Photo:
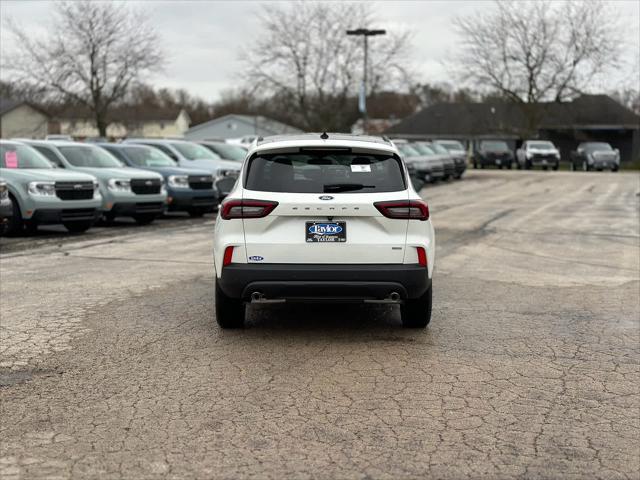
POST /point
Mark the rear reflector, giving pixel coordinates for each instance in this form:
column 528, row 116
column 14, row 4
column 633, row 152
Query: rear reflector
column 228, row 255
column 422, row 256
column 404, row 209
column 246, row 208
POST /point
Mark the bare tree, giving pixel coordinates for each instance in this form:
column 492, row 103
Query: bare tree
column 305, row 58
column 530, row 52
column 92, row 55
column 539, row 50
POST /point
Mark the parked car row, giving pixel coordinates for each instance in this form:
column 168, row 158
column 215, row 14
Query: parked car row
column 75, row 184
column 433, row 161
column 542, row 153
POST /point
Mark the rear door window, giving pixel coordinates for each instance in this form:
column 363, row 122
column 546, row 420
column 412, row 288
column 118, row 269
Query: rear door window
column 325, row 172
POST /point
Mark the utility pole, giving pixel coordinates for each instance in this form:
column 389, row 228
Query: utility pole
column 366, row 33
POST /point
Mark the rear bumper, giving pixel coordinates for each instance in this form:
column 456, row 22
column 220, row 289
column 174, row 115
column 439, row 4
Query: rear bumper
column 51, row 215
column 349, row 283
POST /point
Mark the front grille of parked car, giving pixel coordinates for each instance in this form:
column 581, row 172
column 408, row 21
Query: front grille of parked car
column 77, row 213
column 148, row 207
column 203, row 201
column 147, row 186
column 204, row 182
column 604, row 156
column 74, row 190
column 225, row 184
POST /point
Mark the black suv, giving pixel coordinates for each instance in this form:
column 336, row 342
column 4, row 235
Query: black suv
column 493, row 152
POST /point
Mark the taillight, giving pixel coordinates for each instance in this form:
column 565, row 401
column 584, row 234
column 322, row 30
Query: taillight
column 422, row 256
column 404, row 209
column 228, row 255
column 246, row 208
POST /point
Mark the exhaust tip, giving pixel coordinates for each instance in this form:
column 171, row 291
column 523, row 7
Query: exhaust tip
column 395, row 296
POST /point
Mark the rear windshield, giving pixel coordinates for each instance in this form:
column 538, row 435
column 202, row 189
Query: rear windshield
column 494, row 145
column 597, row 146
column 325, row 172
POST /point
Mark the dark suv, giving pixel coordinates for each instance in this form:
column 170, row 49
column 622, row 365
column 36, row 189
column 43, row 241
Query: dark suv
column 493, row 152
column 595, row 156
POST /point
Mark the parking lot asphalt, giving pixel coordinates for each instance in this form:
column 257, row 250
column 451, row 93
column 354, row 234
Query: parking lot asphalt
column 112, row 366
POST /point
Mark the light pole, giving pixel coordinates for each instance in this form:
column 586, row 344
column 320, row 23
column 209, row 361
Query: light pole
column 366, row 33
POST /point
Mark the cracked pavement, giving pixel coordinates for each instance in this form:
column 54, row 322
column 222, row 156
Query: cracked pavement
column 112, row 366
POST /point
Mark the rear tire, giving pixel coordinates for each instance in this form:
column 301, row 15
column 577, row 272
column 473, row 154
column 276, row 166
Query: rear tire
column 196, row 212
column 230, row 312
column 144, row 218
column 416, row 312
column 556, row 167
column 614, row 169
column 78, row 226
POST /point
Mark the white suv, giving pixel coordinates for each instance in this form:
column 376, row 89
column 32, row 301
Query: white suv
column 323, row 218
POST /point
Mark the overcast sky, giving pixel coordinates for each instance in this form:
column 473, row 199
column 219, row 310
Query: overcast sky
column 202, row 39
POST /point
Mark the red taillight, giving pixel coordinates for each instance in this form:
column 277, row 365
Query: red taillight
column 422, row 256
column 404, row 209
column 228, row 255
column 246, row 208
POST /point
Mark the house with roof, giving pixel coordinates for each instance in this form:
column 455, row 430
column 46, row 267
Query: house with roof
column 124, row 121
column 237, row 126
column 20, row 119
column 587, row 118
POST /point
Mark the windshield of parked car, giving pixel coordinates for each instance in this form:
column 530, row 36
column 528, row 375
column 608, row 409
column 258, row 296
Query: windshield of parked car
column 325, row 172
column 597, row 146
column 541, row 145
column 407, row 150
column 21, row 156
column 86, row 156
column 494, row 146
column 423, row 149
column 193, row 151
column 451, row 145
column 439, row 148
column 148, row 157
column 228, row 152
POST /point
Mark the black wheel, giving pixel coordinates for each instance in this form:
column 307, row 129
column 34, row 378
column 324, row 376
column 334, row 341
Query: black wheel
column 475, row 164
column 556, row 167
column 196, row 212
column 144, row 218
column 500, row 166
column 481, row 165
column 229, row 311
column 614, row 169
column 109, row 217
column 545, row 168
column 527, row 165
column 79, row 226
column 509, row 166
column 416, row 313
column 15, row 225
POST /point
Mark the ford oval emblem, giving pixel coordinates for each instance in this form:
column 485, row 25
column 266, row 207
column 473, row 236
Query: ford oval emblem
column 326, row 197
column 256, row 258
column 325, row 229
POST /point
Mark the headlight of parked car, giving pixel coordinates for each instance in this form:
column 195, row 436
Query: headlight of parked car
column 4, row 190
column 178, row 181
column 118, row 185
column 46, row 189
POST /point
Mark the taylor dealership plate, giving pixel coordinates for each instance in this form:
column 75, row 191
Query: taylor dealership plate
column 335, row 232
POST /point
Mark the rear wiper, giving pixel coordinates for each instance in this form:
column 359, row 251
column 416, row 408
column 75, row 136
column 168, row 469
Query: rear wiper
column 345, row 187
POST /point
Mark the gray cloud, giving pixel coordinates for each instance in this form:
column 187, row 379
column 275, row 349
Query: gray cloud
column 203, row 39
